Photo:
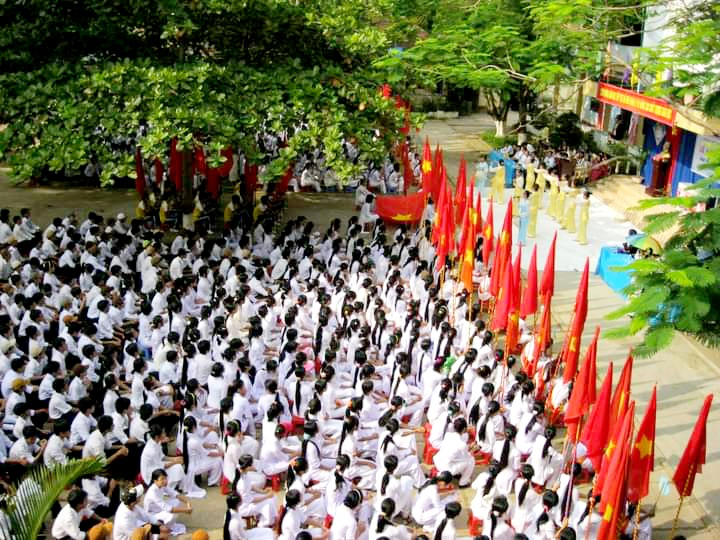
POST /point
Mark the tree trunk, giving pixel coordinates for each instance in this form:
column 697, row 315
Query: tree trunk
column 499, row 128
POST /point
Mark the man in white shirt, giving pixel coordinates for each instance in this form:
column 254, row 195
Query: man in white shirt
column 25, row 450
column 67, row 523
column 58, row 444
column 99, row 442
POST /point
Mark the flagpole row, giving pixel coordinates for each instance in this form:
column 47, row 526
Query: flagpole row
column 682, row 500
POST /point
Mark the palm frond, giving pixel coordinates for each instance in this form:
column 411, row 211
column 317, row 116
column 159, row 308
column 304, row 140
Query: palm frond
column 37, row 491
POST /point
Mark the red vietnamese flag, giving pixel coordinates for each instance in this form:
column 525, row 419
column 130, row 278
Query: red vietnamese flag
column 450, row 221
column 437, row 173
column 400, row 208
column 468, row 256
column 477, row 214
column 621, row 397
column 488, row 236
column 617, row 435
column 427, row 169
column 442, row 242
column 693, row 458
column 468, row 220
column 529, row 299
column 439, row 212
column 512, row 334
column 571, row 349
column 502, row 302
column 543, row 334
column 595, row 432
column 502, row 251
column 642, row 454
column 446, row 244
column 547, row 285
column 612, row 500
column 583, row 392
column 460, row 192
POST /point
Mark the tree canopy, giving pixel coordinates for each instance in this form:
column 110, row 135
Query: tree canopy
column 74, row 77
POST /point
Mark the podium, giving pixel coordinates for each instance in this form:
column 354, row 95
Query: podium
column 660, row 168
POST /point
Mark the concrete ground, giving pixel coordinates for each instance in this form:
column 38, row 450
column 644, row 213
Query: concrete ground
column 684, row 373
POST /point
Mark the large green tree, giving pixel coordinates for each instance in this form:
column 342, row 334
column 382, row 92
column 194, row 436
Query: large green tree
column 510, row 50
column 74, row 76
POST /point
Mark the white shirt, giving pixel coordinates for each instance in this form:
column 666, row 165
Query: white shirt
column 58, row 406
column 95, row 445
column 67, row 523
column 22, row 450
column 80, row 428
column 344, row 526
column 54, row 453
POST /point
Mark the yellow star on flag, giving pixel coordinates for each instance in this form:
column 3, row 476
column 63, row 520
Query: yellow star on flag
column 402, row 217
column 514, row 316
column 644, row 446
column 573, row 344
column 504, row 238
column 488, row 231
column 468, row 254
column 610, row 448
column 426, row 166
column 607, row 516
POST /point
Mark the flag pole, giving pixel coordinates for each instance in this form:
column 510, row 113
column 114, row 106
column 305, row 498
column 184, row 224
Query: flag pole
column 592, row 508
column 636, row 530
column 682, row 499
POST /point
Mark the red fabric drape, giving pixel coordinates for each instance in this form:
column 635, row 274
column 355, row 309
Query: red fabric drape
column 175, row 165
column 139, row 173
column 283, row 184
column 199, row 163
column 159, row 169
column 251, row 175
column 215, row 174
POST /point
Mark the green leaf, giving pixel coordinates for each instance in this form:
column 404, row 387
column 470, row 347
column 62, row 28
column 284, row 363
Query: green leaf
column 659, row 338
column 680, row 277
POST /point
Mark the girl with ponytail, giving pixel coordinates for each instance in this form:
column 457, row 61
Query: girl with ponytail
column 445, row 529
column 546, row 461
column 485, row 491
column 337, row 487
column 490, row 426
column 428, row 507
column 234, row 525
column 507, row 455
column 530, row 427
column 311, row 499
column 404, row 448
column 250, row 486
column 496, row 527
column 237, row 445
column 199, row 458
column 396, row 486
column 382, row 525
column 345, row 524
column 527, row 499
column 545, row 526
